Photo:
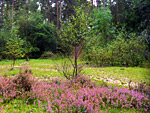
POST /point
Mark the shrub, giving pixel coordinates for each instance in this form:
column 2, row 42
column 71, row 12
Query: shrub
column 48, row 54
column 24, row 80
column 16, row 87
column 128, row 51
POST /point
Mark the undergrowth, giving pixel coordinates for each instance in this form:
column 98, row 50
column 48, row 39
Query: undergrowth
column 77, row 95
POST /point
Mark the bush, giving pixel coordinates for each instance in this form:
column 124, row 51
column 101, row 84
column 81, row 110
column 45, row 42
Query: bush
column 122, row 51
column 48, row 54
column 24, row 80
column 130, row 52
column 16, row 87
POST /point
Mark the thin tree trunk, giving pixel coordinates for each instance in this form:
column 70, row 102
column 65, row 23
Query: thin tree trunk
column 76, row 68
column 110, row 4
column 2, row 10
column 40, row 6
column 51, row 17
column 103, row 3
column 27, row 7
column 48, row 9
column 60, row 14
column 12, row 14
column 13, row 64
column 97, row 1
column 92, row 4
column 117, row 13
column 57, row 16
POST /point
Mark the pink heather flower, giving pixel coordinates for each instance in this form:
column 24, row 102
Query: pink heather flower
column 145, row 109
column 2, row 108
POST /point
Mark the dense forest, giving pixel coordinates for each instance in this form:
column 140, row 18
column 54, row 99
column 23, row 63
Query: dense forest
column 75, row 56
column 102, row 32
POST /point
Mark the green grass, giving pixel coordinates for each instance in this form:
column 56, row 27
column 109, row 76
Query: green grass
column 123, row 74
column 20, row 106
column 46, row 68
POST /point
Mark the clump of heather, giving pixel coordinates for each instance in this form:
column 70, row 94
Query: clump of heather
column 80, row 82
column 17, row 86
column 7, row 89
column 77, row 95
column 24, row 79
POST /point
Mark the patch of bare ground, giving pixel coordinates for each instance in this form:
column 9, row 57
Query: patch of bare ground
column 44, row 69
column 123, row 81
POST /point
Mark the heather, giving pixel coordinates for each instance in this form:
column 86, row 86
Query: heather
column 77, row 95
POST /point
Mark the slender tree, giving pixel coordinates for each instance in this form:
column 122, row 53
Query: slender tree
column 92, row 4
column 2, row 5
column 48, row 9
column 60, row 13
column 103, row 3
column 57, row 16
column 12, row 13
column 97, row 1
column 73, row 34
column 52, row 11
column 110, row 4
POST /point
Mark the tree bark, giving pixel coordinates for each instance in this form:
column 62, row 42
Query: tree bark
column 2, row 11
column 92, row 4
column 117, row 7
column 12, row 14
column 51, row 17
column 103, row 3
column 48, row 9
column 57, row 16
column 60, row 14
column 97, row 1
column 76, row 67
column 110, row 4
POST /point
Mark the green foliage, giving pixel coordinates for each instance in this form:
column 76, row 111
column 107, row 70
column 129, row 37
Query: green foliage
column 5, row 33
column 48, row 54
column 129, row 51
column 40, row 35
column 126, row 49
column 14, row 47
column 100, row 22
column 101, row 33
column 74, row 30
column 101, row 19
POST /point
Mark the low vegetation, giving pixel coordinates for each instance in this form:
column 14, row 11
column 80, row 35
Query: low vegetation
column 23, row 91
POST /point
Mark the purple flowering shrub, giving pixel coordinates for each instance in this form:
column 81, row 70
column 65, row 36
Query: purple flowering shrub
column 77, row 95
column 18, row 85
column 24, row 79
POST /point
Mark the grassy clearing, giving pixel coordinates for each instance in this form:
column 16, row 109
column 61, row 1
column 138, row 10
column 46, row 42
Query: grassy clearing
column 45, row 68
